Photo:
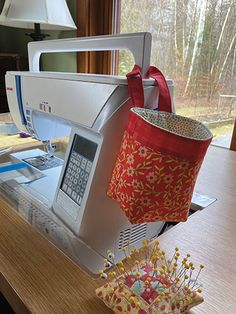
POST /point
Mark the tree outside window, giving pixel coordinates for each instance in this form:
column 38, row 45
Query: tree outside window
column 194, row 43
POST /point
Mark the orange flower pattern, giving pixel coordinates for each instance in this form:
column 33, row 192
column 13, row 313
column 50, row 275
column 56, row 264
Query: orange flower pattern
column 150, row 185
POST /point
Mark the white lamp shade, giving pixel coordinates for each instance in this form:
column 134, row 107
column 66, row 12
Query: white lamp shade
column 51, row 14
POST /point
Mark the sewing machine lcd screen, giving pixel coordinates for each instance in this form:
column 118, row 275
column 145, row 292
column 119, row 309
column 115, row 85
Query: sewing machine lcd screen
column 78, row 168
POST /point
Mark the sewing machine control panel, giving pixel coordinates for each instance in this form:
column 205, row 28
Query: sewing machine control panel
column 78, row 168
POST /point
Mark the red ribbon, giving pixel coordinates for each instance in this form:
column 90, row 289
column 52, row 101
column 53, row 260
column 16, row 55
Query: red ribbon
column 135, row 88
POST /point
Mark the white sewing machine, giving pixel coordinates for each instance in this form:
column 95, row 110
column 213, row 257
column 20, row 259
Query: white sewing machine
column 93, row 109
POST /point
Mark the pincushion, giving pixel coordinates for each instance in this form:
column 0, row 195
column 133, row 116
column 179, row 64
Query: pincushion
column 154, row 285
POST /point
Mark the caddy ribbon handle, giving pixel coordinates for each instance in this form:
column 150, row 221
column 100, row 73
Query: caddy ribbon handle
column 164, row 101
column 135, row 88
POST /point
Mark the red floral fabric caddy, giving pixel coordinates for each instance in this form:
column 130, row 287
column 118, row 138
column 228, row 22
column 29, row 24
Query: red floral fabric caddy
column 159, row 159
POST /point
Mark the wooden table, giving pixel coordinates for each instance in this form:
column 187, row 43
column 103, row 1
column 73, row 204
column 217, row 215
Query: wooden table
column 38, row 278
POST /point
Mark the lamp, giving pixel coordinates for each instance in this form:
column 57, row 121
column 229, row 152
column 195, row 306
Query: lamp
column 37, row 15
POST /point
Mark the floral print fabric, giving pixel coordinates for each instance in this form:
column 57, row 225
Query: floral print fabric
column 150, row 185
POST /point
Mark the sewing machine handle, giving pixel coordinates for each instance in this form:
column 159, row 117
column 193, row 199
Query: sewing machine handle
column 138, row 43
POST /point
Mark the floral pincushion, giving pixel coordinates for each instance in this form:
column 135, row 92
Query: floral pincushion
column 155, row 285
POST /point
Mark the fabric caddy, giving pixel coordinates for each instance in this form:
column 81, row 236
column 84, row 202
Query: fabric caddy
column 159, row 158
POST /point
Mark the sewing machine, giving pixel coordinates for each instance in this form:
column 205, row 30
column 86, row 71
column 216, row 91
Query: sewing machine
column 93, row 111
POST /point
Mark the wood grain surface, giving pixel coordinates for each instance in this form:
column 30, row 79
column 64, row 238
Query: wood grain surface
column 38, row 278
column 45, row 280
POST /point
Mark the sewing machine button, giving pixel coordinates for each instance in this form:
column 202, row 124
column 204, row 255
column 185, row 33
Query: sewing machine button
column 66, row 180
column 88, row 166
column 86, row 177
column 73, row 173
column 77, row 189
column 80, row 182
column 64, row 187
column 69, row 191
column 75, row 181
column 69, row 170
column 71, row 178
column 82, row 174
column 74, row 195
column 74, row 167
column 78, row 200
column 70, row 184
column 83, row 163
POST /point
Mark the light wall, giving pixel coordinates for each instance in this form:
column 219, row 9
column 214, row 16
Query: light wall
column 13, row 40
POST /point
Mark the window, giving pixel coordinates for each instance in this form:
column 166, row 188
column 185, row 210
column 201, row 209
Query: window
column 194, row 43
